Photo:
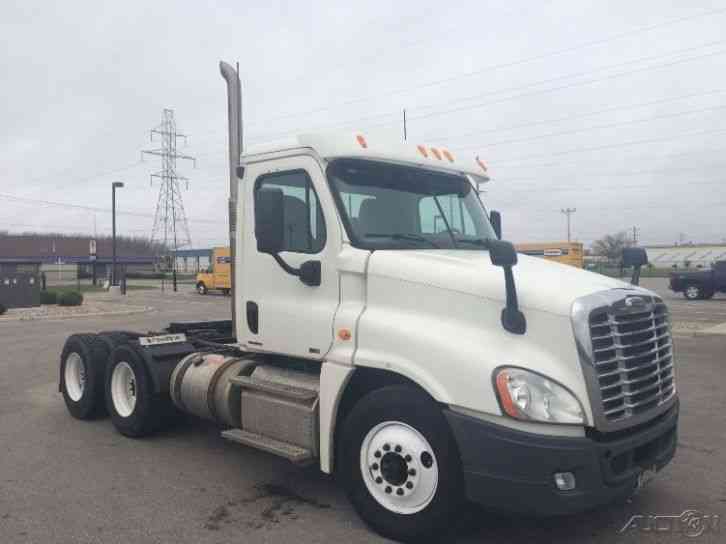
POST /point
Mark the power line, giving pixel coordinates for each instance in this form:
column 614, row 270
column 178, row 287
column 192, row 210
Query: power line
column 581, row 115
column 612, row 146
column 92, row 208
column 498, row 66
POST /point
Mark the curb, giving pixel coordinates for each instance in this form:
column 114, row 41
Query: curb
column 142, row 310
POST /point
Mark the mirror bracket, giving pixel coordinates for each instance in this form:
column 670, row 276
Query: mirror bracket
column 502, row 254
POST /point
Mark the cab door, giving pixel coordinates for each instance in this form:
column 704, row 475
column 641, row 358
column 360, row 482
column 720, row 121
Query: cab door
column 283, row 314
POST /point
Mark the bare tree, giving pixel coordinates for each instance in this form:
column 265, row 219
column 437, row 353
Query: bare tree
column 611, row 246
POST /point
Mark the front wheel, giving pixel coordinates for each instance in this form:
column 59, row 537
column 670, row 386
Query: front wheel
column 400, row 464
column 693, row 292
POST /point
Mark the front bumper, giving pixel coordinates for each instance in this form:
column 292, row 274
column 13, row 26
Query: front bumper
column 512, row 471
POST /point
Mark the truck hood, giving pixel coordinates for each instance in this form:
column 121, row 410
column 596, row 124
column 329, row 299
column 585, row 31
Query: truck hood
column 541, row 285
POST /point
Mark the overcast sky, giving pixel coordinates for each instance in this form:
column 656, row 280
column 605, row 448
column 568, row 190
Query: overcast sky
column 616, row 108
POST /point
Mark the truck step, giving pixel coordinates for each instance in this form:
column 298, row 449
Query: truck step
column 275, row 388
column 291, row 452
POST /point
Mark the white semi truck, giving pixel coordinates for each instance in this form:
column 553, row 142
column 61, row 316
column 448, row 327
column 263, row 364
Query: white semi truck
column 382, row 331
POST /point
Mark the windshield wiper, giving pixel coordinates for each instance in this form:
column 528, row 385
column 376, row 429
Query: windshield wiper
column 404, row 236
column 481, row 242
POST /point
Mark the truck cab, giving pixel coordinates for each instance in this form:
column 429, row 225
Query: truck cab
column 217, row 275
column 382, row 330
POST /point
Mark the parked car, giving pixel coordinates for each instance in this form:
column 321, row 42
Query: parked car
column 701, row 284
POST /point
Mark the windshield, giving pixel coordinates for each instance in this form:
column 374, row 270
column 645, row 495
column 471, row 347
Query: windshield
column 386, row 206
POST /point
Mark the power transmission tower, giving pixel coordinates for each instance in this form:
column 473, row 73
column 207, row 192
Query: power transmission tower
column 636, row 232
column 170, row 229
column 568, row 212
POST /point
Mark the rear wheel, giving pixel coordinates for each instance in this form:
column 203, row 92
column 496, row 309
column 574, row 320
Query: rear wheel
column 81, row 378
column 400, row 465
column 693, row 292
column 135, row 408
column 201, row 288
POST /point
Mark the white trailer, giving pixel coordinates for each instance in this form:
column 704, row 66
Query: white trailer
column 383, row 331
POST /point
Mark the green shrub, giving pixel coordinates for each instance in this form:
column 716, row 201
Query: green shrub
column 70, row 298
column 48, row 297
column 3, row 309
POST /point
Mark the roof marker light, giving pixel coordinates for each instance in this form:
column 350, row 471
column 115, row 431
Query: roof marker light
column 448, row 155
column 436, row 153
column 422, row 150
column 481, row 163
column 362, row 141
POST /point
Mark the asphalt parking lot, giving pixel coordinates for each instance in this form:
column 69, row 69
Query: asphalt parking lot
column 62, row 480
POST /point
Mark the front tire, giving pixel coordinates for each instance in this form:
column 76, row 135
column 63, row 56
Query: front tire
column 81, row 377
column 400, row 465
column 693, row 292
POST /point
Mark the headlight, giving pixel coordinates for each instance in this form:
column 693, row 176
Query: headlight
column 532, row 397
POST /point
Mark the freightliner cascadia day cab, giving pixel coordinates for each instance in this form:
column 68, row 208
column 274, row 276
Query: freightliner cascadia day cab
column 383, row 331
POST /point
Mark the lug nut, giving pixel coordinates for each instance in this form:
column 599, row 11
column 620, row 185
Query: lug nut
column 398, row 449
column 409, row 485
column 407, row 458
column 377, row 454
column 388, row 489
column 379, row 480
column 399, row 491
column 412, row 472
column 374, row 466
column 386, row 447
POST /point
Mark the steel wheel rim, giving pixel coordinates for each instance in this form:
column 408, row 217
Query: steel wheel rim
column 692, row 292
column 123, row 389
column 75, row 376
column 399, row 467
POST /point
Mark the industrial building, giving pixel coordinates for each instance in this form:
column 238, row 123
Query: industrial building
column 686, row 255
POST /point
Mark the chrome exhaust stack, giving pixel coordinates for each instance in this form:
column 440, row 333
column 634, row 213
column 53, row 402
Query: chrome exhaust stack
column 234, row 132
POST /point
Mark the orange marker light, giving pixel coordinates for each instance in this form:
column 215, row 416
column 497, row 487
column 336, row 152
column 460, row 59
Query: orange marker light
column 506, row 398
column 344, row 334
column 422, row 150
column 448, row 155
column 481, row 163
column 436, row 153
column 361, row 141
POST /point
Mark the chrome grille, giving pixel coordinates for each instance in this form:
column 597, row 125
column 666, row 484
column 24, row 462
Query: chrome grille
column 632, row 356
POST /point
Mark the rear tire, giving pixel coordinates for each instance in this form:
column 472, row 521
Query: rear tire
column 693, row 292
column 135, row 409
column 400, row 465
column 201, row 288
column 81, row 377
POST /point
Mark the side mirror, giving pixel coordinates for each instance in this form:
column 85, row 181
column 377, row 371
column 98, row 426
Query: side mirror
column 502, row 253
column 495, row 218
column 310, row 273
column 269, row 221
column 634, row 256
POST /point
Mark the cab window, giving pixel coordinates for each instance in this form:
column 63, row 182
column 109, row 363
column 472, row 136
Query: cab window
column 304, row 224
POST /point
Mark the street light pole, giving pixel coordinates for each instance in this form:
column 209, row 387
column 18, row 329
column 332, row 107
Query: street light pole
column 568, row 212
column 115, row 185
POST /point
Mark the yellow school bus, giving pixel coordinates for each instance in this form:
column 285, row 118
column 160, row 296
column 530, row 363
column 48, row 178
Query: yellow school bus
column 217, row 276
column 562, row 252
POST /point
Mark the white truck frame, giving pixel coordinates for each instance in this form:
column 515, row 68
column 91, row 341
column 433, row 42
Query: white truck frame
column 421, row 375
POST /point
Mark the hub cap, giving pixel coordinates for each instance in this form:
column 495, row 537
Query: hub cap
column 692, row 292
column 75, row 376
column 399, row 467
column 123, row 389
